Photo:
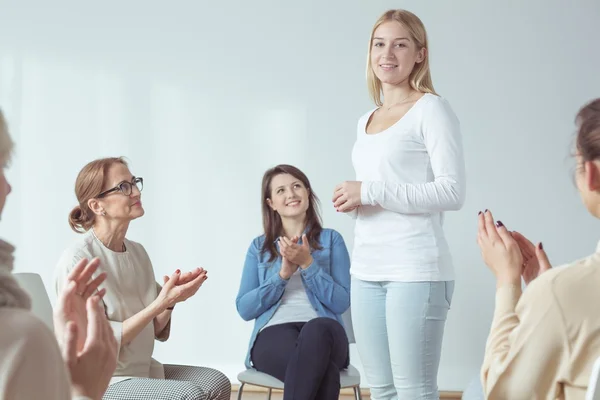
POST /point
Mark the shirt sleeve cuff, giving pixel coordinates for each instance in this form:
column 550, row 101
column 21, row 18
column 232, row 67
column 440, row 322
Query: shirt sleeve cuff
column 277, row 280
column 507, row 297
column 365, row 189
column 310, row 271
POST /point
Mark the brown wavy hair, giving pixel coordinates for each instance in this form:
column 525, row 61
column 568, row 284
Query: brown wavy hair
column 89, row 184
column 272, row 224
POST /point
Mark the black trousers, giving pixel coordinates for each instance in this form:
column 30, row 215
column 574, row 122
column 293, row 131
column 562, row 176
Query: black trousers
column 306, row 356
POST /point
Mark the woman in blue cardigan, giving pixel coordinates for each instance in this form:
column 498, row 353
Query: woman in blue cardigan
column 296, row 286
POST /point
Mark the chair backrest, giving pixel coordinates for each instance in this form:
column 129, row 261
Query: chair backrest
column 347, row 318
column 593, row 391
column 40, row 302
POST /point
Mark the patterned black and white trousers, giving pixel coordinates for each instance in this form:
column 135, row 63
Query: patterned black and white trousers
column 181, row 382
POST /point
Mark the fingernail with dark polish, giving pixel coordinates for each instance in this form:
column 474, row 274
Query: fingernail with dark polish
column 499, row 224
column 541, row 246
column 486, row 210
column 479, row 213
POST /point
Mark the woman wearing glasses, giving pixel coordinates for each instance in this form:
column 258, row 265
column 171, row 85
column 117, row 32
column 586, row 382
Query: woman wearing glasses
column 138, row 308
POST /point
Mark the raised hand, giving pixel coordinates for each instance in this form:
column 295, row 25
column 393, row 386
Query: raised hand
column 499, row 249
column 296, row 254
column 535, row 259
column 347, row 196
column 287, row 267
column 173, row 293
column 92, row 366
column 71, row 304
column 187, row 276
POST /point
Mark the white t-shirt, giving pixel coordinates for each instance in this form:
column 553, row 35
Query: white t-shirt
column 130, row 287
column 295, row 305
column 411, row 173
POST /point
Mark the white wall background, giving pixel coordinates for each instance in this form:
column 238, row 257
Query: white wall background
column 202, row 97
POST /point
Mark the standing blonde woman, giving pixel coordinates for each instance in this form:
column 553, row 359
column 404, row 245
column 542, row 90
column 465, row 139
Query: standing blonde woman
column 409, row 166
column 31, row 366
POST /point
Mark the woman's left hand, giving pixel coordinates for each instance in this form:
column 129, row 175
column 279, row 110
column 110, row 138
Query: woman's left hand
column 187, row 277
column 298, row 254
column 346, row 196
column 71, row 302
column 499, row 250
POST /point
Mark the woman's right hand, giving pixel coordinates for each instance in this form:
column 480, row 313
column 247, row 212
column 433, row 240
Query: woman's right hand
column 287, row 267
column 174, row 292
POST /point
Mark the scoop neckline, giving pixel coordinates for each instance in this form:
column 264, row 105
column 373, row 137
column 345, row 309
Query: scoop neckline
column 410, row 110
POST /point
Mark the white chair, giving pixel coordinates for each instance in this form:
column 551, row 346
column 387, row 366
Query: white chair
column 40, row 302
column 349, row 377
column 593, row 391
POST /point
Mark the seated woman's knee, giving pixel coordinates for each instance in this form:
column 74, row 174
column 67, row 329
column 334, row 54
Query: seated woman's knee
column 189, row 391
column 321, row 326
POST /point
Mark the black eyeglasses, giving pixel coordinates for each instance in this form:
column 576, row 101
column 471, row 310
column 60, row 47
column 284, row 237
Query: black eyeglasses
column 125, row 187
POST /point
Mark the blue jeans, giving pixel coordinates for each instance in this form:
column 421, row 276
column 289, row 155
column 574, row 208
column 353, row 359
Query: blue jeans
column 399, row 328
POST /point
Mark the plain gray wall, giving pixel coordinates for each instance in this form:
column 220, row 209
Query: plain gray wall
column 202, row 97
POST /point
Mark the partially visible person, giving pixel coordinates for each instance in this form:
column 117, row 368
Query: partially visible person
column 410, row 171
column 544, row 341
column 295, row 286
column 31, row 366
column 138, row 308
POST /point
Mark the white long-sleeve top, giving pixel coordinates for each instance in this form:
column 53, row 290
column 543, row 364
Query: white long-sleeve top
column 411, row 173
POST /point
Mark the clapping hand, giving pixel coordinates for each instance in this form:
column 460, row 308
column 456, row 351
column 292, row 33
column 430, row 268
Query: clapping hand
column 91, row 367
column 180, row 287
column 71, row 305
column 297, row 254
column 535, row 259
column 83, row 332
column 499, row 249
column 288, row 268
column 187, row 277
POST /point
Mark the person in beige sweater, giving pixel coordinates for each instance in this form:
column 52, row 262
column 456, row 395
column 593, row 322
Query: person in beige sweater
column 544, row 340
column 31, row 364
column 138, row 308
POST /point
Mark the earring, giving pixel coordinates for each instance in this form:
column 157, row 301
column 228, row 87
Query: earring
column 103, row 213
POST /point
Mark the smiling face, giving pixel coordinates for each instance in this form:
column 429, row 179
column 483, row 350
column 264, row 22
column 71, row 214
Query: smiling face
column 288, row 196
column 394, row 53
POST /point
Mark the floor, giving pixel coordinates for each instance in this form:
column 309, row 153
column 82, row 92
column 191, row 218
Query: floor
column 254, row 395
column 277, row 396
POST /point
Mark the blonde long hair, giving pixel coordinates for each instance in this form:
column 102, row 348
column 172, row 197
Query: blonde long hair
column 420, row 77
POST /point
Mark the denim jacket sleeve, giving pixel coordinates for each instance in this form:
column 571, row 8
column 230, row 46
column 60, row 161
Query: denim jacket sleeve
column 254, row 298
column 333, row 291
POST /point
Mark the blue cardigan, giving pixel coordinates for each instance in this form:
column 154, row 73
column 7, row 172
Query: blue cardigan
column 326, row 280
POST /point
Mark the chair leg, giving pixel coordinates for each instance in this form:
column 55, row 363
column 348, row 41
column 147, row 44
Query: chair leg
column 269, row 394
column 239, row 396
column 357, row 393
